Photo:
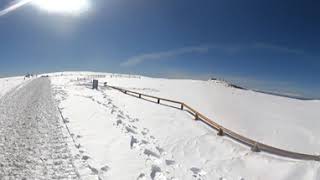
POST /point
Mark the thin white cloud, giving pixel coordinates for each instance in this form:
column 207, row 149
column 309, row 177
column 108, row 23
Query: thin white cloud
column 229, row 49
column 14, row 6
column 165, row 54
column 278, row 48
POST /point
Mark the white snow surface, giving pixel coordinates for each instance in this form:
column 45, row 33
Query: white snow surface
column 7, row 84
column 122, row 137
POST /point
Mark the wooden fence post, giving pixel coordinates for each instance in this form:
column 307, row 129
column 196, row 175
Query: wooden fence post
column 255, row 148
column 220, row 132
column 196, row 116
column 95, row 84
column 181, row 106
column 139, row 95
column 158, row 101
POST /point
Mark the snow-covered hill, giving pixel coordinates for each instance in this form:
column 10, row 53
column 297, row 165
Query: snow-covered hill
column 7, row 84
column 117, row 136
column 122, row 137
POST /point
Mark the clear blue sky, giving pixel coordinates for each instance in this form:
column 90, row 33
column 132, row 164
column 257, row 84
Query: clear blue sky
column 266, row 44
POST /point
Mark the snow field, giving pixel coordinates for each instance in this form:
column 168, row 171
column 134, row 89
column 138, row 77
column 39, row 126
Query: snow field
column 7, row 84
column 128, row 138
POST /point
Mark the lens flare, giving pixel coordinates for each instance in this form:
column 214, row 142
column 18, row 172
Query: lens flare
column 62, row 6
column 14, row 5
column 70, row 7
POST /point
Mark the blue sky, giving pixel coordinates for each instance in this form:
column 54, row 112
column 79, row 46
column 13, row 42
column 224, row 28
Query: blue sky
column 269, row 44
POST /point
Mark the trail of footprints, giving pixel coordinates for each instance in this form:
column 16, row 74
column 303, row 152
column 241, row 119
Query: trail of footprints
column 161, row 164
column 141, row 140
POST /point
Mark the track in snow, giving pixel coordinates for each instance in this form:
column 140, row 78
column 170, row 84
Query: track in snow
column 32, row 142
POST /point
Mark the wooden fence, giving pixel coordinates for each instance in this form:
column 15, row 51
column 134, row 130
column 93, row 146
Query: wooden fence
column 254, row 145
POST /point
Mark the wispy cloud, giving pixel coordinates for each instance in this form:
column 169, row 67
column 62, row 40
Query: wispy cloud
column 229, row 49
column 165, row 54
column 278, row 48
column 14, row 6
column 237, row 48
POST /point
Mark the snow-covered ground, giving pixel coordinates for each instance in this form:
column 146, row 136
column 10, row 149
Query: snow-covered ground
column 7, row 84
column 122, row 137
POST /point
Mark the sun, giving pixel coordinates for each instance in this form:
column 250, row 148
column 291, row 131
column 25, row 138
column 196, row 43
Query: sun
column 62, row 6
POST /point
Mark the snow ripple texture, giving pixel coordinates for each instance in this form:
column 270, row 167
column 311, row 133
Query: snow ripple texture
column 32, row 142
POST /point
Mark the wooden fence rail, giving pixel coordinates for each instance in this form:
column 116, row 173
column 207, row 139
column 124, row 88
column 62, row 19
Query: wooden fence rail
column 254, row 145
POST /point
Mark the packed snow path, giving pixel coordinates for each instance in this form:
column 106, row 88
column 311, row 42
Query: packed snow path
column 32, row 142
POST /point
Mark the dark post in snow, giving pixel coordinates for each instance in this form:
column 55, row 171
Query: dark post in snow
column 255, row 148
column 95, row 84
column 220, row 132
column 105, row 84
column 181, row 106
column 196, row 116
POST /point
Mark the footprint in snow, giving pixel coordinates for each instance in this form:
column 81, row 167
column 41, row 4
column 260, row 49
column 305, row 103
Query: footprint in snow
column 93, row 170
column 132, row 120
column 121, row 112
column 85, row 157
column 151, row 153
column 142, row 177
column 134, row 127
column 198, row 173
column 144, row 142
column 133, row 142
column 105, row 168
column 161, row 151
column 130, row 130
column 154, row 171
column 170, row 162
column 120, row 116
column 119, row 122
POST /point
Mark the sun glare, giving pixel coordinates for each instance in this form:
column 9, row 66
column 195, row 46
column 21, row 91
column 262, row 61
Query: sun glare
column 62, row 6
